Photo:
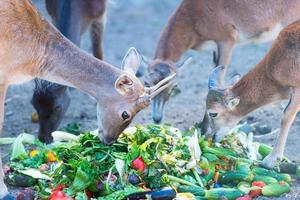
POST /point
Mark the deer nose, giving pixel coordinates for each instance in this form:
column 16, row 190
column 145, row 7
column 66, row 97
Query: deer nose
column 157, row 119
column 107, row 140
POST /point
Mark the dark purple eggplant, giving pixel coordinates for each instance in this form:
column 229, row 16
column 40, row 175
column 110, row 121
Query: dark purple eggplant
column 134, row 179
column 162, row 194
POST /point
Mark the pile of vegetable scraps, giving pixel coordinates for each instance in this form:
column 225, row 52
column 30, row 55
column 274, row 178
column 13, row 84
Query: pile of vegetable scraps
column 156, row 162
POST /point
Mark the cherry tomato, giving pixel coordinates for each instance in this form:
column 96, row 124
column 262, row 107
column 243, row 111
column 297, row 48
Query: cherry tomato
column 89, row 194
column 260, row 184
column 255, row 193
column 138, row 164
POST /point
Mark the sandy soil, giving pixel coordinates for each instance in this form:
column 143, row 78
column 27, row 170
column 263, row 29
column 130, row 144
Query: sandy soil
column 138, row 23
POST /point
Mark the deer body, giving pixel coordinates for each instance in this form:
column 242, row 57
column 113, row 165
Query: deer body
column 72, row 18
column 275, row 78
column 30, row 48
column 224, row 22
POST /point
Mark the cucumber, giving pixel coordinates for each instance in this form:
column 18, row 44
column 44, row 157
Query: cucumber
column 264, row 150
column 298, row 172
column 242, row 167
column 244, row 187
column 203, row 181
column 197, row 191
column 278, row 176
column 266, row 179
column 276, row 189
column 223, row 193
column 210, row 157
column 20, row 180
column 231, row 176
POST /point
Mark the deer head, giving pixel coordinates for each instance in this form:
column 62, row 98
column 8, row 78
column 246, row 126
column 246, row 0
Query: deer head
column 116, row 111
column 221, row 103
column 157, row 71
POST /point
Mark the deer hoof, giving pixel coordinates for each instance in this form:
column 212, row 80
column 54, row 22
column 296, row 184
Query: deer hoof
column 271, row 161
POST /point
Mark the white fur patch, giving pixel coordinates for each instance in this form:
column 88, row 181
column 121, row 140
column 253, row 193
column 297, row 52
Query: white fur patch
column 266, row 36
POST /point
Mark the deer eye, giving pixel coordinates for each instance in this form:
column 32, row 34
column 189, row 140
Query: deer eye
column 213, row 115
column 125, row 115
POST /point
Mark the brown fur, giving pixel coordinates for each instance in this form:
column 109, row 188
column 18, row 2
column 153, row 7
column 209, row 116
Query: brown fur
column 225, row 22
column 275, row 78
column 30, row 48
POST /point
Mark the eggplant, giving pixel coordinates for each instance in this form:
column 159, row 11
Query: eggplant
column 162, row 194
column 134, row 179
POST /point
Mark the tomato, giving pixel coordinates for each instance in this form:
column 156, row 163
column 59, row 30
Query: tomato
column 247, row 197
column 51, row 157
column 89, row 194
column 255, row 193
column 57, row 195
column 205, row 171
column 33, row 153
column 60, row 187
column 138, row 164
column 260, row 184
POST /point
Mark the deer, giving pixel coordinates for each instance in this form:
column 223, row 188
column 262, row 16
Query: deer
column 274, row 78
column 73, row 18
column 225, row 23
column 30, row 47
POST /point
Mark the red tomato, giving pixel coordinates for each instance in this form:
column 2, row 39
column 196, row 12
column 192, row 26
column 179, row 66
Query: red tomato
column 89, row 194
column 205, row 171
column 260, row 184
column 60, row 187
column 138, row 164
column 247, row 197
column 57, row 195
column 255, row 193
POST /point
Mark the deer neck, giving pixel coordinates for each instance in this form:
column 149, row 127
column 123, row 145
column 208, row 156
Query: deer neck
column 66, row 64
column 68, row 19
column 177, row 37
column 256, row 89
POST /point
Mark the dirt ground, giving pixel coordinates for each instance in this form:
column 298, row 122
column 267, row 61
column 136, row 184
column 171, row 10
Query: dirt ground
column 138, row 23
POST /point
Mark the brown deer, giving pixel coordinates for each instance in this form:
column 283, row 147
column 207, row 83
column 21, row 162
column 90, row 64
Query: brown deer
column 72, row 18
column 224, row 22
column 275, row 78
column 30, row 48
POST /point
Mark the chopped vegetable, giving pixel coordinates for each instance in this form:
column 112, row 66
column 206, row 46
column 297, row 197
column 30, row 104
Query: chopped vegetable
column 138, row 164
column 51, row 157
column 141, row 162
column 278, row 176
column 165, row 193
column 276, row 189
column 226, row 193
column 33, row 153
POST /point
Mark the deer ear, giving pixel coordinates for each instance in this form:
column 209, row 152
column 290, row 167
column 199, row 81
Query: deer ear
column 232, row 102
column 131, row 61
column 124, row 85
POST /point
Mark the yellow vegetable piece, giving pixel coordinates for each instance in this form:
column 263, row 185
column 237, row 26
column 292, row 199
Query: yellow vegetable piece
column 33, row 153
column 51, row 157
column 34, row 117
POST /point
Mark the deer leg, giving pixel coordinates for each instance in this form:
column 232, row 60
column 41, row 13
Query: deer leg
column 287, row 119
column 97, row 29
column 223, row 56
column 3, row 189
